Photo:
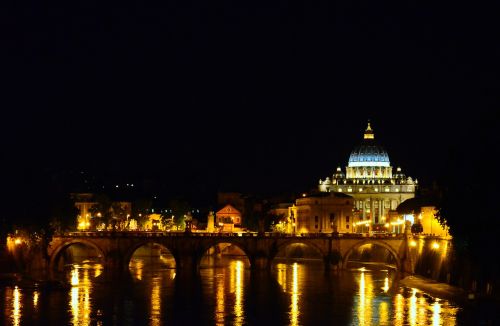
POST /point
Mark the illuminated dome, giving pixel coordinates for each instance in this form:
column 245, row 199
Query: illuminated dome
column 369, row 153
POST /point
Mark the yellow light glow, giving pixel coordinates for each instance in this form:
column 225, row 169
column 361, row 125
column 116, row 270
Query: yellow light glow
column 74, row 305
column 386, row 284
column 365, row 303
column 413, row 243
column 435, row 245
column 436, row 315
column 74, row 277
column 294, row 313
column 155, row 315
column 35, row 299
column 238, row 303
column 16, row 313
column 399, row 309
column 18, row 241
column 220, row 301
column 413, row 307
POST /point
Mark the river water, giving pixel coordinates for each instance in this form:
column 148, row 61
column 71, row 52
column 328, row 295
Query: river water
column 295, row 293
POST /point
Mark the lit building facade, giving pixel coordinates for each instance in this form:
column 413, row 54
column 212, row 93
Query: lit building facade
column 369, row 178
column 321, row 213
column 228, row 218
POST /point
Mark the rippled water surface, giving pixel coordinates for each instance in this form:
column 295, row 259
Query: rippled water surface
column 296, row 293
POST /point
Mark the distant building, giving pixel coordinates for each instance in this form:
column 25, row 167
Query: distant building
column 119, row 211
column 228, row 218
column 321, row 213
column 430, row 223
column 369, row 179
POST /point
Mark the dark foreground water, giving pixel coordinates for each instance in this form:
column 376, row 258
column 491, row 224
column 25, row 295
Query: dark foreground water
column 296, row 293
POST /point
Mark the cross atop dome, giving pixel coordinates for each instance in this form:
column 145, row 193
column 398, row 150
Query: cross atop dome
column 369, row 132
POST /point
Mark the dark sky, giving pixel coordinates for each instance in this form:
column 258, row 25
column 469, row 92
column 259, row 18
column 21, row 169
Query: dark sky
column 254, row 96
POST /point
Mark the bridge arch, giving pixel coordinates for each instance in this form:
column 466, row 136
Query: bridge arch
column 130, row 251
column 206, row 247
column 310, row 244
column 380, row 243
column 62, row 247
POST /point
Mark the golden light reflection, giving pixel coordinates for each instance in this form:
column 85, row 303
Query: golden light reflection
column 365, row 293
column 74, row 277
column 219, row 299
column 238, row 303
column 35, row 299
column 138, row 267
column 413, row 307
column 80, row 293
column 399, row 309
column 361, row 305
column 281, row 275
column 155, row 315
column 423, row 308
column 436, row 313
column 16, row 304
column 294, row 311
column 384, row 313
column 74, row 305
column 98, row 270
column 386, row 284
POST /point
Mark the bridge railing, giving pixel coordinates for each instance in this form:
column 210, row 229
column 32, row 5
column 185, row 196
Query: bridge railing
column 155, row 234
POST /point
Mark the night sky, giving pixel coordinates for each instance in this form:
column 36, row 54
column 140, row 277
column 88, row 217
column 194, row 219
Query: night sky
column 251, row 96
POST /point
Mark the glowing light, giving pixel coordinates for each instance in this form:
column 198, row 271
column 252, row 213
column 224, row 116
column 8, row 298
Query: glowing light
column 18, row 241
column 294, row 313
column 74, row 277
column 436, row 313
column 35, row 299
column 435, row 245
column 155, row 315
column 399, row 303
column 367, row 222
column 413, row 307
column 238, row 304
column 386, row 284
column 413, row 243
column 74, row 304
column 16, row 313
column 220, row 300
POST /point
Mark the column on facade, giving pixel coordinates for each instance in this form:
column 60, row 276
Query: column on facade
column 380, row 210
column 372, row 210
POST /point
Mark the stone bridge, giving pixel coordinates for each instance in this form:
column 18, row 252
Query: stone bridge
column 117, row 248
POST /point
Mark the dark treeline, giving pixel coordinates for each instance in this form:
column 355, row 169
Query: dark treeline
column 470, row 198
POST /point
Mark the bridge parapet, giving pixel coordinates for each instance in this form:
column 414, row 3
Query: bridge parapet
column 187, row 249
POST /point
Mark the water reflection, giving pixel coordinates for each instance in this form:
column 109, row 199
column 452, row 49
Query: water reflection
column 80, row 293
column 227, row 284
column 302, row 292
column 16, row 313
column 155, row 314
column 35, row 299
column 365, row 293
column 292, row 288
column 238, row 293
column 156, row 275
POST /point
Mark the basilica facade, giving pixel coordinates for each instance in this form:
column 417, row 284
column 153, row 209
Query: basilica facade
column 375, row 187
